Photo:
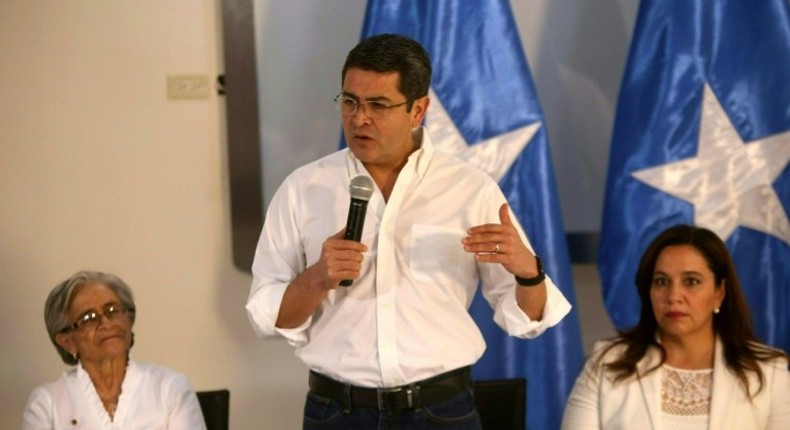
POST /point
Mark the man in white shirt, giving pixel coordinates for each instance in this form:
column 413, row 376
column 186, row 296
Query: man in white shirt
column 396, row 345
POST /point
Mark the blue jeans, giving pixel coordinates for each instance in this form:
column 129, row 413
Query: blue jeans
column 458, row 413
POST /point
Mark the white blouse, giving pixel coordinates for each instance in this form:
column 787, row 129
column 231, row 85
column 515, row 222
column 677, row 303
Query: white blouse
column 152, row 398
column 685, row 398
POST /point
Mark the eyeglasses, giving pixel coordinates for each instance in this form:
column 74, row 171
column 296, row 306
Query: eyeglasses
column 374, row 109
column 91, row 319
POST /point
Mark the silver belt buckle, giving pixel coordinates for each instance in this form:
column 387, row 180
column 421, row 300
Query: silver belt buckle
column 381, row 392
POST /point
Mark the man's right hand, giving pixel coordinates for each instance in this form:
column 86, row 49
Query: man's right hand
column 340, row 259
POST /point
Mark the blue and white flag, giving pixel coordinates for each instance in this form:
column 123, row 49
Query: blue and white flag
column 702, row 136
column 482, row 94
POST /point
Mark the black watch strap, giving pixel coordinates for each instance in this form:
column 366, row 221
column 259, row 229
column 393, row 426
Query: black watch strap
column 531, row 282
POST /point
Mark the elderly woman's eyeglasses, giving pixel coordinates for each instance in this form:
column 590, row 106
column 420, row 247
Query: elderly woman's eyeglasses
column 90, row 320
column 373, row 108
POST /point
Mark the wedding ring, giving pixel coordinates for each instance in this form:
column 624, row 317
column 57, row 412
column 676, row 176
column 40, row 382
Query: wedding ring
column 496, row 248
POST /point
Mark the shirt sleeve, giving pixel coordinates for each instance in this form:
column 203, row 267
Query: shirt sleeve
column 779, row 417
column 509, row 316
column 38, row 411
column 499, row 288
column 581, row 410
column 185, row 412
column 279, row 258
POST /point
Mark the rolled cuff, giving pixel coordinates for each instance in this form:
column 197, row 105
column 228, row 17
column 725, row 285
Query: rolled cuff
column 262, row 309
column 515, row 322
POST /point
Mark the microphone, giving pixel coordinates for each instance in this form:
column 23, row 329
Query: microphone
column 361, row 189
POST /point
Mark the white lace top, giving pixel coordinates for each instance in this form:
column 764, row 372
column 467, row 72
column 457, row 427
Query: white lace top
column 685, row 398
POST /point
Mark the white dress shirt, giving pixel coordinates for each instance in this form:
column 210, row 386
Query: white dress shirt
column 152, row 398
column 406, row 318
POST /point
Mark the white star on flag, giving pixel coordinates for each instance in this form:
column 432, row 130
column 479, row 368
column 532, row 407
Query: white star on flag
column 494, row 155
column 729, row 182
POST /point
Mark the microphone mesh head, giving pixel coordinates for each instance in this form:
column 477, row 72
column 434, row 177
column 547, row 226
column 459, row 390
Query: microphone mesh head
column 361, row 188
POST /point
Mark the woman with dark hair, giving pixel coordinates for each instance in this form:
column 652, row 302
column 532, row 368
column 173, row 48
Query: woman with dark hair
column 89, row 318
column 692, row 361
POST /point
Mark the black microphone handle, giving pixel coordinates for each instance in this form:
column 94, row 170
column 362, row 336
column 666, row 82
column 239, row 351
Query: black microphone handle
column 354, row 225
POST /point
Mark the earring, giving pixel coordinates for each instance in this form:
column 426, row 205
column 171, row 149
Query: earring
column 74, row 356
column 716, row 311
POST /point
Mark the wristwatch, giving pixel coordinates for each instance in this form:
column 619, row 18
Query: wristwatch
column 531, row 282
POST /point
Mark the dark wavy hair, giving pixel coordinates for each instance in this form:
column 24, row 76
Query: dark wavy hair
column 732, row 325
column 385, row 53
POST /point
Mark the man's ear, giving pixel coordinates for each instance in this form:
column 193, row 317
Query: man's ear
column 419, row 108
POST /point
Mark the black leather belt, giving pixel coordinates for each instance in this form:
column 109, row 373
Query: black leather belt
column 412, row 396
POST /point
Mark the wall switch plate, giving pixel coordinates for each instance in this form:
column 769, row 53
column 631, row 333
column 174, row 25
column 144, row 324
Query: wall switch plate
column 187, row 86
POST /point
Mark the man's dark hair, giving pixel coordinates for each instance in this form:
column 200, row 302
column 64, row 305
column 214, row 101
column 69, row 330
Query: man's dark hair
column 384, row 53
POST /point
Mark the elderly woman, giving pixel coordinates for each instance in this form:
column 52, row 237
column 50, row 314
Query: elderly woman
column 89, row 318
column 692, row 361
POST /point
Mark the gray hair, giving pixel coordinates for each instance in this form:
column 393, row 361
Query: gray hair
column 59, row 300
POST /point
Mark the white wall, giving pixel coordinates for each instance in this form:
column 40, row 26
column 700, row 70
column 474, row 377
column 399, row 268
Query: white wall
column 99, row 170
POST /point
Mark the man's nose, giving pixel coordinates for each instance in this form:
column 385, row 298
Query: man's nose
column 361, row 116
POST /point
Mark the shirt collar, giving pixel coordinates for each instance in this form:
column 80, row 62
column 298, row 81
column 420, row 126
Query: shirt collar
column 418, row 160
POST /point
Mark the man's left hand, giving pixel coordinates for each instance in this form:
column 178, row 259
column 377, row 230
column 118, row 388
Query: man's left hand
column 501, row 243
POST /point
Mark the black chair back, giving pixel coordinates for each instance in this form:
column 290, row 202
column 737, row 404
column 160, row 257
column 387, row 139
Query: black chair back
column 215, row 405
column 501, row 403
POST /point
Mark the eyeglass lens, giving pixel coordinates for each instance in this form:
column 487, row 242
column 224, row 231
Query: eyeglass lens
column 375, row 109
column 92, row 319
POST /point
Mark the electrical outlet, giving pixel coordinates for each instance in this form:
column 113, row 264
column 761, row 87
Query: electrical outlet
column 187, row 86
